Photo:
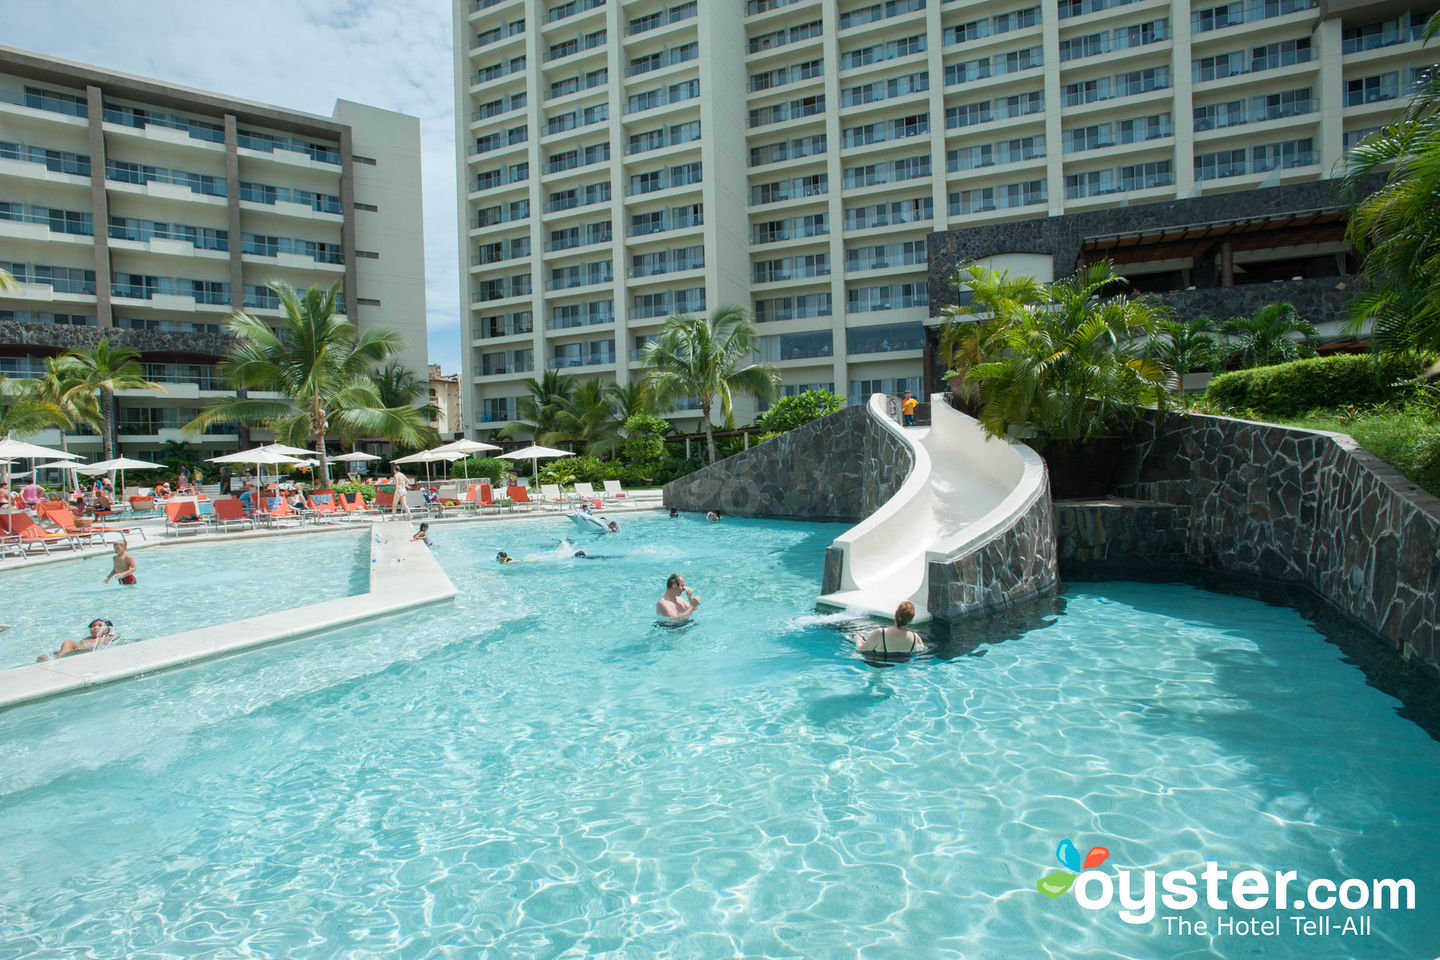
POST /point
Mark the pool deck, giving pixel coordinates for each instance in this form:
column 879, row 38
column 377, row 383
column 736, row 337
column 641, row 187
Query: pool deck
column 403, row 575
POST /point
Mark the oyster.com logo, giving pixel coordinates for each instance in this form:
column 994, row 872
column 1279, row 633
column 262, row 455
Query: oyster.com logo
column 1056, row 884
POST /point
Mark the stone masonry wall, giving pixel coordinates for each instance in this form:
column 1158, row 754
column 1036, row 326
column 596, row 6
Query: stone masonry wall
column 1093, row 533
column 1017, row 563
column 841, row 467
column 1302, row 507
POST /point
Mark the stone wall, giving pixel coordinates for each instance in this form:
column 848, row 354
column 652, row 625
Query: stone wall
column 1302, row 507
column 1099, row 533
column 841, row 467
column 1016, row 564
column 57, row 337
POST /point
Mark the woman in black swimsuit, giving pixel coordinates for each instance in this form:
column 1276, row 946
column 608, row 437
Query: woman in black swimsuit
column 892, row 643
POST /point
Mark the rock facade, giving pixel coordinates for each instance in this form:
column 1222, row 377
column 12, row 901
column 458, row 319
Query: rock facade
column 1303, row 507
column 58, row 337
column 1097, row 533
column 841, row 467
column 1017, row 563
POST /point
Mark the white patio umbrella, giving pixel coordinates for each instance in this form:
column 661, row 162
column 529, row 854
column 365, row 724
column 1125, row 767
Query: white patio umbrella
column 260, row 456
column 357, row 455
column 466, row 447
column 66, row 465
column 120, row 465
column 11, row 449
column 534, row 454
column 428, row 457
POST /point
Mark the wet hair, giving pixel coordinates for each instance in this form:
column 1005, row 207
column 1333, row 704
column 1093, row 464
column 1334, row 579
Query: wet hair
column 674, row 512
column 672, row 581
column 107, row 623
column 501, row 555
column 904, row 613
column 424, row 527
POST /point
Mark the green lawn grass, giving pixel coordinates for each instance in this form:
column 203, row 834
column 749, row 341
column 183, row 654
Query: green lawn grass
column 1407, row 440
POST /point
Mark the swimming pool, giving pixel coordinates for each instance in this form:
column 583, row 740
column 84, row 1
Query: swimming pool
column 180, row 586
column 539, row 770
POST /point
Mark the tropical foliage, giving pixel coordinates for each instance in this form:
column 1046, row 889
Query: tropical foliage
column 791, row 412
column 1396, row 229
column 61, row 388
column 1275, row 333
column 399, row 386
column 644, row 438
column 323, row 372
column 1300, row 386
column 1188, row 346
column 707, row 359
column 96, row 373
column 1070, row 360
column 540, row 405
column 967, row 337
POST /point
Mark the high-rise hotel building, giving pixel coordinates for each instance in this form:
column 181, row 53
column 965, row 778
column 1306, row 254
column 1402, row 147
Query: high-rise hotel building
column 623, row 160
column 143, row 214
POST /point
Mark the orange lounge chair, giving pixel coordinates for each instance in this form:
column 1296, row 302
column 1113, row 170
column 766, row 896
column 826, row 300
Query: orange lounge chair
column 355, row 507
column 231, row 510
column 519, row 498
column 487, row 497
column 277, row 510
column 60, row 515
column 384, row 500
column 145, row 505
column 182, row 516
column 467, row 502
column 30, row 535
column 323, row 506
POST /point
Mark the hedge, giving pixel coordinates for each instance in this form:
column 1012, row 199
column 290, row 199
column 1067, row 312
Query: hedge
column 1288, row 389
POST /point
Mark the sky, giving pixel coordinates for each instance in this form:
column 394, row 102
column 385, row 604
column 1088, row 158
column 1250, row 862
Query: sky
column 297, row 54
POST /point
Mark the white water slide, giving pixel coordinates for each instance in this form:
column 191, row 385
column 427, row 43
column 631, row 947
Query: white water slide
column 964, row 488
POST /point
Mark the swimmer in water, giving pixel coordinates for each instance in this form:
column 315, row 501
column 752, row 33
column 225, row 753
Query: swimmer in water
column 503, row 557
column 892, row 643
column 674, row 513
column 423, row 535
column 612, row 526
column 679, row 600
column 713, row 516
column 102, row 632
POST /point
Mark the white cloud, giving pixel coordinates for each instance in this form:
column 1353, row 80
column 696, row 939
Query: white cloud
column 298, row 54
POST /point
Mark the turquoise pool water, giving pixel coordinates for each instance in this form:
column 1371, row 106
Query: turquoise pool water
column 179, row 586
column 537, row 770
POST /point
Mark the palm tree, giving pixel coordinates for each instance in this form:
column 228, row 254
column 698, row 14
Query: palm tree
column 630, row 398
column 537, row 410
column 967, row 337
column 7, row 280
column 323, row 371
column 586, row 418
column 1397, row 228
column 706, row 359
column 1266, row 336
column 1186, row 346
column 401, row 386
column 1075, row 366
column 23, row 412
column 101, row 371
column 57, row 388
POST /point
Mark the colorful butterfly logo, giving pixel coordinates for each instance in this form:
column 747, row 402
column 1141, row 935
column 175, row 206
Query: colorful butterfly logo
column 1054, row 884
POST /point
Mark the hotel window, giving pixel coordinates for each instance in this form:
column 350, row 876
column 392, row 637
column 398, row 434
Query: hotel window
column 1385, row 86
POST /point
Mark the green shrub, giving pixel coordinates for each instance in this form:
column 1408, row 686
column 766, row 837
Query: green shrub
column 563, row 470
column 491, row 469
column 791, row 412
column 1288, row 389
column 350, row 489
column 644, row 438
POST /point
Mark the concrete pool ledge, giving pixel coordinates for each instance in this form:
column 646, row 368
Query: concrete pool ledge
column 403, row 575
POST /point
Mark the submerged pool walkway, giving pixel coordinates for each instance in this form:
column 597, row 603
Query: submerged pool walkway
column 403, row 575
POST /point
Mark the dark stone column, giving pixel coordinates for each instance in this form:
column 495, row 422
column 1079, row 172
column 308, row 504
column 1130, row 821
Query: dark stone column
column 232, row 196
column 347, row 229
column 99, row 206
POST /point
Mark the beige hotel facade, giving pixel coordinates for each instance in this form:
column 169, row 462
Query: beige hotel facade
column 144, row 213
column 622, row 160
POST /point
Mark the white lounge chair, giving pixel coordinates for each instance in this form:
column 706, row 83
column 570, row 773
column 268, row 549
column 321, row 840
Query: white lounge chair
column 612, row 489
column 554, row 496
column 586, row 491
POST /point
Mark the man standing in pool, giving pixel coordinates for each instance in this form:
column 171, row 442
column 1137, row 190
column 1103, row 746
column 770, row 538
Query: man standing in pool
column 679, row 600
column 124, row 567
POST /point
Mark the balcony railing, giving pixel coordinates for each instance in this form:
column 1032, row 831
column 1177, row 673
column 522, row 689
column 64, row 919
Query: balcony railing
column 592, row 360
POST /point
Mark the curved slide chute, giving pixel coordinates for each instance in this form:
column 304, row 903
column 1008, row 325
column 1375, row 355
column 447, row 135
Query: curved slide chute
column 963, row 489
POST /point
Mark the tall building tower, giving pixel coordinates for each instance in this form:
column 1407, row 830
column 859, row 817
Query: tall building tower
column 143, row 214
column 623, row 160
